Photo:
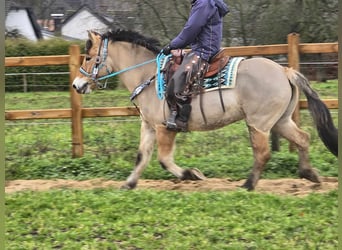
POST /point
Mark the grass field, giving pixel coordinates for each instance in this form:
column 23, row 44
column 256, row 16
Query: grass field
column 141, row 219
column 109, row 219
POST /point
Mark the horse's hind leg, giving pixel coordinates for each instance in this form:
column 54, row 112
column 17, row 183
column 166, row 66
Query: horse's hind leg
column 166, row 146
column 147, row 140
column 261, row 152
column 289, row 130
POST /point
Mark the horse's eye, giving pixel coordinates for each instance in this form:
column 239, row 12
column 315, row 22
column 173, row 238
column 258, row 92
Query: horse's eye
column 87, row 58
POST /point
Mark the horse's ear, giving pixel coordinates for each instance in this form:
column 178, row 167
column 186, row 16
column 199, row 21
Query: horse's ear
column 91, row 34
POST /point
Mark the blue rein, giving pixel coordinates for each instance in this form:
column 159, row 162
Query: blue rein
column 126, row 69
column 160, row 85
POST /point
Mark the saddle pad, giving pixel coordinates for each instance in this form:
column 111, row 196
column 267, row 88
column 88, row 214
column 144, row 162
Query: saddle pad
column 226, row 77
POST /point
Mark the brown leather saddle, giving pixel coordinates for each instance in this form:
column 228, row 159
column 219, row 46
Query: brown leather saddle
column 217, row 63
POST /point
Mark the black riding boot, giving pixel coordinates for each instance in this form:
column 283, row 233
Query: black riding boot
column 179, row 121
column 182, row 119
column 171, row 121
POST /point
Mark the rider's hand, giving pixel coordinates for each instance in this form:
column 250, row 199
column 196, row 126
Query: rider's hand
column 166, row 50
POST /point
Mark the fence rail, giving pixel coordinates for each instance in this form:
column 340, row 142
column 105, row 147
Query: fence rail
column 293, row 49
column 37, row 61
column 105, row 112
column 29, row 80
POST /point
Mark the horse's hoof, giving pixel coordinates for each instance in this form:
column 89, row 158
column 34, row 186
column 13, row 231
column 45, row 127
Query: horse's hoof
column 192, row 174
column 248, row 185
column 310, row 174
column 128, row 186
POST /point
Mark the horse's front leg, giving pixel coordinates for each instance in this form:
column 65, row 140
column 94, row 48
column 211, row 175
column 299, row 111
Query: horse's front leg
column 166, row 145
column 147, row 140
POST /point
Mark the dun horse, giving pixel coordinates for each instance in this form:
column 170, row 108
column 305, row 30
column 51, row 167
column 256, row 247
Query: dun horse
column 265, row 96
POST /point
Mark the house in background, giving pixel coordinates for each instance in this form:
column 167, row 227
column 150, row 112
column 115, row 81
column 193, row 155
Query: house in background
column 24, row 22
column 67, row 24
column 76, row 25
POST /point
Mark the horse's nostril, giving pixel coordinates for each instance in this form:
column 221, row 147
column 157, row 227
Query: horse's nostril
column 74, row 86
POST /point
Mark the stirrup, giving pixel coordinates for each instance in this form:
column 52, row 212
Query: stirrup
column 171, row 121
column 174, row 124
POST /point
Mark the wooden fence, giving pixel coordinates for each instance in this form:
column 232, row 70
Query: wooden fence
column 76, row 113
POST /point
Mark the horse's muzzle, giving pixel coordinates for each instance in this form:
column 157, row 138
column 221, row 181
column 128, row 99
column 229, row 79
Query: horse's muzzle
column 81, row 90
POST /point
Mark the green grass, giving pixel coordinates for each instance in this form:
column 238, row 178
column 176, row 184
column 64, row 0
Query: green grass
column 44, row 151
column 61, row 99
column 111, row 219
column 328, row 89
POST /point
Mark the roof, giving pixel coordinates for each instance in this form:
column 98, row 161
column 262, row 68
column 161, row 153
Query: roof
column 86, row 7
column 76, row 25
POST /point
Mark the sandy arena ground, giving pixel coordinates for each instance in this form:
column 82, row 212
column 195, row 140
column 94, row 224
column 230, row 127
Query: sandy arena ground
column 286, row 186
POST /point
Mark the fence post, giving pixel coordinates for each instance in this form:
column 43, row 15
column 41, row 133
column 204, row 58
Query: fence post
column 76, row 104
column 25, row 83
column 293, row 59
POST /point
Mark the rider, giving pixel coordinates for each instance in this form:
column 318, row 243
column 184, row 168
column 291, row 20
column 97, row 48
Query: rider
column 203, row 32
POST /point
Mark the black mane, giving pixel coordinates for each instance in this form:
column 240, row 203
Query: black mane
column 133, row 37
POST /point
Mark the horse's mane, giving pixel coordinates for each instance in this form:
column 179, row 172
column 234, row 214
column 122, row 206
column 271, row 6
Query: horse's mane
column 133, row 37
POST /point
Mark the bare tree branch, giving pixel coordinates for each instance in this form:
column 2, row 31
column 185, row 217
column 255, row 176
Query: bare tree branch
column 157, row 15
column 178, row 9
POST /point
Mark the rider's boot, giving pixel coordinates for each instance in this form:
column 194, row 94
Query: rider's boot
column 179, row 122
column 182, row 119
column 171, row 121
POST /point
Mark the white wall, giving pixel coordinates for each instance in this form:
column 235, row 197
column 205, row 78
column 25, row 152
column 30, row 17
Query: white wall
column 18, row 19
column 77, row 27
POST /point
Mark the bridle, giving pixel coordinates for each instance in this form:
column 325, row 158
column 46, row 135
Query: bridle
column 100, row 63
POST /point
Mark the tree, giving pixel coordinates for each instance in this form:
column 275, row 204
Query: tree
column 314, row 20
column 319, row 22
column 162, row 19
column 244, row 18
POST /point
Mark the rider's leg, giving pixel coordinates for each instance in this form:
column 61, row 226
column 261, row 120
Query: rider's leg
column 178, row 95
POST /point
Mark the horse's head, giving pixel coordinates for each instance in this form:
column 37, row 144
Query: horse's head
column 95, row 64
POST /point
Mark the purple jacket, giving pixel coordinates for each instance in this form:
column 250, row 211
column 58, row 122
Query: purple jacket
column 203, row 30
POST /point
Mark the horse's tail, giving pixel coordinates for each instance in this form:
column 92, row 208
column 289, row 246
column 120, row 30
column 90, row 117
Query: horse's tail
column 319, row 111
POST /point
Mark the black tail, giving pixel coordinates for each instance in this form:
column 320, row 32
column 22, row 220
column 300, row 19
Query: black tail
column 319, row 111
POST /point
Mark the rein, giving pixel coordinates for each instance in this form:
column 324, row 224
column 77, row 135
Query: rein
column 124, row 70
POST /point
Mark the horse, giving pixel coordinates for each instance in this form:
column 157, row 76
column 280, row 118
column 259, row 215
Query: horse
column 265, row 96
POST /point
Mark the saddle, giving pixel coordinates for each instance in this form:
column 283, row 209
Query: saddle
column 217, row 63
